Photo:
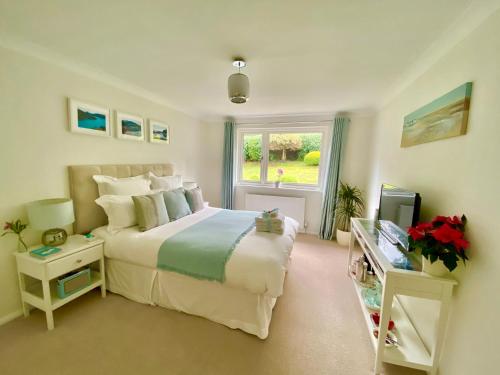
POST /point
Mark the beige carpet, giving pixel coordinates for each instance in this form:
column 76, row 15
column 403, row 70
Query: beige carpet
column 317, row 328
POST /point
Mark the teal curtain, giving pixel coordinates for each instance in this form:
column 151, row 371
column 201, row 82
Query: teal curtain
column 228, row 166
column 326, row 231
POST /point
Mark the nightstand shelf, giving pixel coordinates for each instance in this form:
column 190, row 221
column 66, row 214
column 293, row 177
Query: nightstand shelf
column 75, row 254
column 34, row 294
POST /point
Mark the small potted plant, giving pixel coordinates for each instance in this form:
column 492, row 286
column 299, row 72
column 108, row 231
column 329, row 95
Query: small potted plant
column 349, row 204
column 441, row 242
column 16, row 227
column 279, row 173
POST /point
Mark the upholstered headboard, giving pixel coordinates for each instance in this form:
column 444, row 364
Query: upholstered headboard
column 83, row 189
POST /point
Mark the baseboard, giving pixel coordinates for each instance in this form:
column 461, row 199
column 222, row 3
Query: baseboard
column 308, row 231
column 13, row 315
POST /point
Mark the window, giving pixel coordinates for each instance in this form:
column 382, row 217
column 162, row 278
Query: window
column 252, row 150
column 290, row 155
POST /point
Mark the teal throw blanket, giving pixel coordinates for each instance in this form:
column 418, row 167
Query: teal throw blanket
column 202, row 250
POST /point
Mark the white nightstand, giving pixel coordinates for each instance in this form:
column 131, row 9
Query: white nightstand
column 75, row 253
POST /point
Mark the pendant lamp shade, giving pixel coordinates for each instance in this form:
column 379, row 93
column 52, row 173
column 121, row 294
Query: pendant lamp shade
column 238, row 88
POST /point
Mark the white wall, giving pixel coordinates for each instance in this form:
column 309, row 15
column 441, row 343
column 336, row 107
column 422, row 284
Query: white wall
column 36, row 146
column 211, row 174
column 455, row 176
column 354, row 170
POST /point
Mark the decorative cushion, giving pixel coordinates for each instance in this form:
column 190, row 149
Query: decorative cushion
column 108, row 185
column 177, row 205
column 194, row 198
column 120, row 211
column 150, row 211
column 166, row 182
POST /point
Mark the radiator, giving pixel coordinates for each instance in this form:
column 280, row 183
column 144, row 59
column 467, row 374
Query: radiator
column 289, row 206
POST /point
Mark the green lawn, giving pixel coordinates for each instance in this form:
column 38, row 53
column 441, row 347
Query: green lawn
column 295, row 172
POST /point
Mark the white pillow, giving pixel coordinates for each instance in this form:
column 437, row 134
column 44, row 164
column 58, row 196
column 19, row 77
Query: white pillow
column 165, row 182
column 120, row 211
column 189, row 185
column 108, row 185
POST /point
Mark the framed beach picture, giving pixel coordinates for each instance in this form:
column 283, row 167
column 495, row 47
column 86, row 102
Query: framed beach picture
column 129, row 126
column 89, row 119
column 445, row 117
column 158, row 132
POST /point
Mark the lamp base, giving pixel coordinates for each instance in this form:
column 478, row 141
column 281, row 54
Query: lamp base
column 54, row 237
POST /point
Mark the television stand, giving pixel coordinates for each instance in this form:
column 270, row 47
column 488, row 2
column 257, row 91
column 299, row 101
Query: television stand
column 399, row 272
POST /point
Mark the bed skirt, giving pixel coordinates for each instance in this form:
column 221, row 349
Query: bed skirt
column 234, row 308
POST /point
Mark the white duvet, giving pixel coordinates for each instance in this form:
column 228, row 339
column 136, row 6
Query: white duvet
column 258, row 263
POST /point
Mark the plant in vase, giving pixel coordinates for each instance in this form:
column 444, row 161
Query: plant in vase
column 279, row 173
column 442, row 240
column 16, row 227
column 349, row 204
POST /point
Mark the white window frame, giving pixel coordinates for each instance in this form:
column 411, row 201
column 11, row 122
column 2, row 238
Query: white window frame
column 265, row 131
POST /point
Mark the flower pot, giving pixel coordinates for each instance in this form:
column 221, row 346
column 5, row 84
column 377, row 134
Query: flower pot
column 277, row 184
column 343, row 238
column 435, row 269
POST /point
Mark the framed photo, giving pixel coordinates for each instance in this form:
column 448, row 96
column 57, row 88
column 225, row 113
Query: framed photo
column 129, row 127
column 89, row 119
column 158, row 132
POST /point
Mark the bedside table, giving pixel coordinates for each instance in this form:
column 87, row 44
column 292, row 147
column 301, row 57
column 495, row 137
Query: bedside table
column 75, row 253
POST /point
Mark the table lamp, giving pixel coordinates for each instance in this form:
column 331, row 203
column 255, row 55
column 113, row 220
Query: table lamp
column 50, row 215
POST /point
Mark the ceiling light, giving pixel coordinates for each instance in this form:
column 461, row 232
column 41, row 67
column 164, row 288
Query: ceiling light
column 238, row 86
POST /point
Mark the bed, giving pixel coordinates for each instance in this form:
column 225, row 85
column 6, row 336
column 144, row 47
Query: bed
column 254, row 274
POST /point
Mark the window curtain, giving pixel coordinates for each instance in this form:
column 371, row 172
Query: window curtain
column 326, row 231
column 228, row 166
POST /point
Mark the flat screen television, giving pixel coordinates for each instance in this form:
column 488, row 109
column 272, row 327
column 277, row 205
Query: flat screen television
column 400, row 206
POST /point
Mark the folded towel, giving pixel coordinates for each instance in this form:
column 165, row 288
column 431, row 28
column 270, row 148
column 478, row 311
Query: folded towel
column 272, row 213
column 276, row 231
column 269, row 225
column 276, row 221
column 271, row 221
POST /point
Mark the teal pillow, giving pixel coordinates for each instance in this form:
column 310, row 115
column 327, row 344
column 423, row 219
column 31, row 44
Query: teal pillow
column 194, row 198
column 176, row 203
column 150, row 211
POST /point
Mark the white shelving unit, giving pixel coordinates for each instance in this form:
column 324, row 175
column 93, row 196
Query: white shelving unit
column 400, row 274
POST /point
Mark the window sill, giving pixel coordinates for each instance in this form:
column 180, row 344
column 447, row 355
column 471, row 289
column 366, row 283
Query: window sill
column 282, row 187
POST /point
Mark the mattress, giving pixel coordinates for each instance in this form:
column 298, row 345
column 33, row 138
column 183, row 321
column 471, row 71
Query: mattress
column 258, row 264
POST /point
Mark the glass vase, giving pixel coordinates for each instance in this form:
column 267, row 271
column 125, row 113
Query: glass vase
column 21, row 245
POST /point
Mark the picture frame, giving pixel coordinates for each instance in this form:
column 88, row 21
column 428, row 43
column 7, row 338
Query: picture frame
column 86, row 118
column 159, row 132
column 444, row 117
column 130, row 127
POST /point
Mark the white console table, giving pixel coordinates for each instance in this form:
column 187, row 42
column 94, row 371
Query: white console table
column 400, row 274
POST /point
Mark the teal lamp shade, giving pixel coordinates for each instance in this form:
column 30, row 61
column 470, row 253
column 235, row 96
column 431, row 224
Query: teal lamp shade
column 50, row 215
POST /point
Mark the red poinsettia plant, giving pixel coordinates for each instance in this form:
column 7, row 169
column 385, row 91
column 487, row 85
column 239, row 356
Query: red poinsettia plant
column 442, row 238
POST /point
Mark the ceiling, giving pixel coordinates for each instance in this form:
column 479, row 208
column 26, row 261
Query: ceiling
column 303, row 56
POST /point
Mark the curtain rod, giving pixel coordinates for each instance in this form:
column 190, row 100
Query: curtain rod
column 287, row 122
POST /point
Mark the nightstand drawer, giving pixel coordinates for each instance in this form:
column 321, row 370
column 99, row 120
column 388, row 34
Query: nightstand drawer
column 64, row 265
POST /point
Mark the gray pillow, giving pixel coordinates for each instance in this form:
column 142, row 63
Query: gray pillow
column 176, row 203
column 150, row 211
column 194, row 198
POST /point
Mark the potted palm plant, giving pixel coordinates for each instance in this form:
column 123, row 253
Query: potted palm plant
column 349, row 204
